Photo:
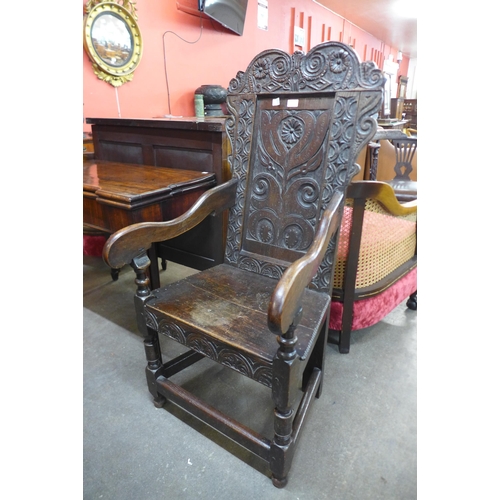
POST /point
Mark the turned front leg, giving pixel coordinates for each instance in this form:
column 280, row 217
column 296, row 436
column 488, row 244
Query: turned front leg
column 151, row 341
column 285, row 376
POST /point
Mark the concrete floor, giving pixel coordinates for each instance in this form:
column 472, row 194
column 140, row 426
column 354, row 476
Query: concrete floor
column 359, row 442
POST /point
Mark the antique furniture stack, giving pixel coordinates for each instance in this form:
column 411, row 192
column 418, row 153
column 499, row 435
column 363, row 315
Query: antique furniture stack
column 297, row 123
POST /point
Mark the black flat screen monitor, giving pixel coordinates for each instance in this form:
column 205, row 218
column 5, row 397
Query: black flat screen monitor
column 230, row 13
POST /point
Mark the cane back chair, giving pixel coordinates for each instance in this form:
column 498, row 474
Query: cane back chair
column 376, row 265
column 297, row 123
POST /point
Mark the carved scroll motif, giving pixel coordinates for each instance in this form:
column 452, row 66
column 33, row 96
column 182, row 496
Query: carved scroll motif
column 302, row 156
column 327, row 67
column 290, row 150
column 252, row 368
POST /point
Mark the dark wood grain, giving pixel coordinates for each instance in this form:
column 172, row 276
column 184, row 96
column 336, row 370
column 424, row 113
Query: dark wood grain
column 195, row 144
column 130, row 241
column 288, row 294
column 223, row 299
column 297, row 123
column 134, row 185
column 187, row 143
column 117, row 195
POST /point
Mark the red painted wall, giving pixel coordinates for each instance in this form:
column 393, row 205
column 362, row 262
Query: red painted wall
column 214, row 58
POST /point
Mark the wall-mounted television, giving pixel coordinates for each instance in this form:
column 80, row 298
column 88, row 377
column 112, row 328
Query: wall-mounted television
column 230, row 13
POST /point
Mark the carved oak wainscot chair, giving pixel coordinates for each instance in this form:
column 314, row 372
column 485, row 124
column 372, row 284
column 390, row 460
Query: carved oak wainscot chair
column 297, row 123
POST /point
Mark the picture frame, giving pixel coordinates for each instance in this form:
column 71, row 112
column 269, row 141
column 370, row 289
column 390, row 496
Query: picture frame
column 112, row 40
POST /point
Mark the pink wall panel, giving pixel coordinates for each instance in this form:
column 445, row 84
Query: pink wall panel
column 213, row 58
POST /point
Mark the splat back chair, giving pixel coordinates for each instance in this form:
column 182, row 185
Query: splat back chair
column 404, row 188
column 296, row 124
column 396, row 155
column 376, row 265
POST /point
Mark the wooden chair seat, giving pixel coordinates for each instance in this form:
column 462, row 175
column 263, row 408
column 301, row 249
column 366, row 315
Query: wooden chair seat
column 404, row 189
column 392, row 158
column 212, row 310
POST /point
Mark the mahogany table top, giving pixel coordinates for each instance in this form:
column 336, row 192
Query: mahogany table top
column 132, row 184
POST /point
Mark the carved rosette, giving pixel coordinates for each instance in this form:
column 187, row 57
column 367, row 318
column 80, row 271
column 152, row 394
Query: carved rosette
column 330, row 66
column 276, row 162
column 289, row 152
column 253, row 368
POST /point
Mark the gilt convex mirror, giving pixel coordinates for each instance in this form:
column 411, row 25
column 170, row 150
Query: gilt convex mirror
column 112, row 39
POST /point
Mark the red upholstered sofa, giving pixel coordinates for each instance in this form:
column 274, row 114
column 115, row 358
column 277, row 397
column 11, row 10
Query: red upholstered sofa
column 376, row 266
column 93, row 244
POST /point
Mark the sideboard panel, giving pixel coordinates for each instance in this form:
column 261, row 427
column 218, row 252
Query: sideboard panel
column 189, row 143
column 118, row 150
column 189, row 159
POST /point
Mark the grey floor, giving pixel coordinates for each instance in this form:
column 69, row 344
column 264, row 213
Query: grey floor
column 359, row 442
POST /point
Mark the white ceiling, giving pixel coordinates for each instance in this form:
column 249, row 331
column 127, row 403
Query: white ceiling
column 392, row 21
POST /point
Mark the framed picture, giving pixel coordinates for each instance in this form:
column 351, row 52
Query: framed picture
column 112, row 40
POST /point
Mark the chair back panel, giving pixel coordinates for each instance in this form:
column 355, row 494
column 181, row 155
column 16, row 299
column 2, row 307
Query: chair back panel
column 285, row 179
column 297, row 125
column 405, row 150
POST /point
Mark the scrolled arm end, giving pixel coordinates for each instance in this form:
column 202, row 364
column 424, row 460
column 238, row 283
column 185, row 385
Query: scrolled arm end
column 124, row 245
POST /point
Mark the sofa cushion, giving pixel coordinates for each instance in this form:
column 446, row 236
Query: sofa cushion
column 370, row 311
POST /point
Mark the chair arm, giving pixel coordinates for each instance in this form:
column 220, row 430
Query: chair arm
column 383, row 193
column 285, row 301
column 132, row 240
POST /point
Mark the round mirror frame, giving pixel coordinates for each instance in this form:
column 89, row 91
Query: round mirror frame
column 114, row 75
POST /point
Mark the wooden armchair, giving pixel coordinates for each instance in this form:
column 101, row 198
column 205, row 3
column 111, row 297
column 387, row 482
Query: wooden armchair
column 376, row 266
column 392, row 157
column 296, row 124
